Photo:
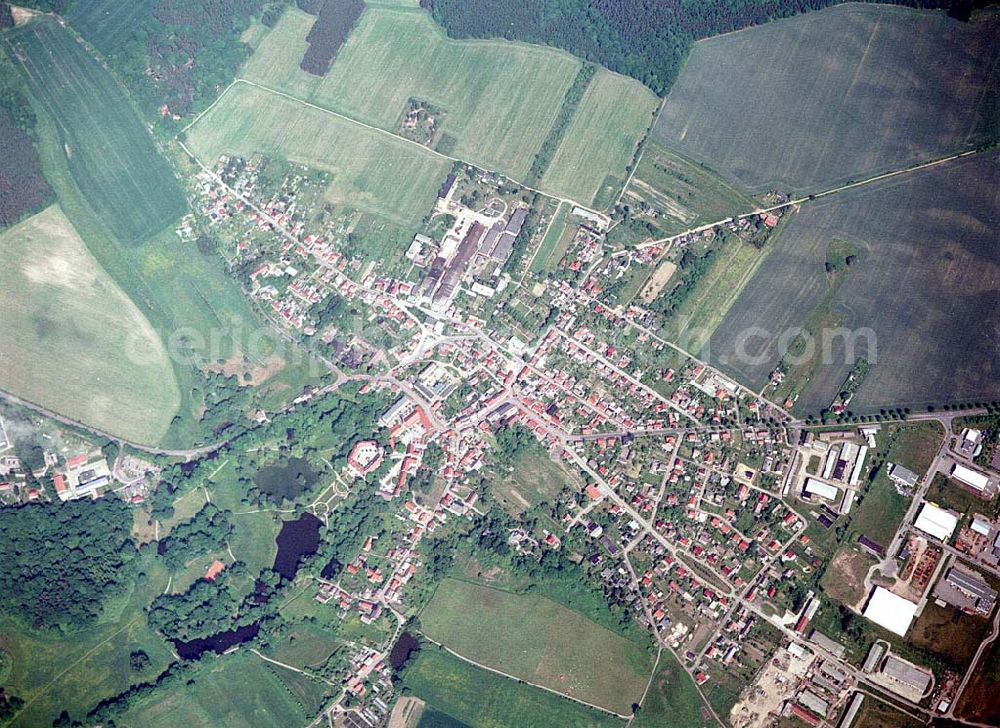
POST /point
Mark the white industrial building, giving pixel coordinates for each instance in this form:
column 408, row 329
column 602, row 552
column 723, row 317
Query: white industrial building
column 969, row 477
column 823, row 490
column 890, row 611
column 936, row 522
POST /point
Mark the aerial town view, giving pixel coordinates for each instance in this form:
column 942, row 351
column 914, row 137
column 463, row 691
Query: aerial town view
column 499, row 363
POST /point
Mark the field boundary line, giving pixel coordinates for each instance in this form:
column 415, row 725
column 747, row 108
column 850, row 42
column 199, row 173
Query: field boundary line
column 515, row 678
column 386, row 132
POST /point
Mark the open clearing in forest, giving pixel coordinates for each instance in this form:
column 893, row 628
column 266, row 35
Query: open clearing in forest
column 920, row 297
column 73, row 341
column 813, row 101
column 539, row 641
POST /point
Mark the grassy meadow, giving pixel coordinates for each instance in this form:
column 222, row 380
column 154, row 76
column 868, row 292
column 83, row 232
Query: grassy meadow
column 54, row 672
column 919, row 295
column 684, row 194
column 111, row 155
column 480, row 699
column 238, row 689
column 810, row 102
column 371, row 171
column 537, row 640
column 590, row 163
column 74, row 342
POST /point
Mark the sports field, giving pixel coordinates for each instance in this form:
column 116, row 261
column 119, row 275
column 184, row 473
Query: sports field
column 111, row 154
column 921, row 297
column 816, row 100
column 371, row 171
column 73, row 341
column 683, row 194
column 479, row 699
column 239, row 689
column 539, row 641
column 589, row 164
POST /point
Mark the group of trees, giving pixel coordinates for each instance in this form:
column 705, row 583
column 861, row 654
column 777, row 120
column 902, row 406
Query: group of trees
column 23, row 189
column 62, row 561
column 570, row 101
column 333, row 24
column 645, row 39
column 207, row 531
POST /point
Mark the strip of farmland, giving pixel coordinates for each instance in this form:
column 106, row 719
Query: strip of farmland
column 111, row 155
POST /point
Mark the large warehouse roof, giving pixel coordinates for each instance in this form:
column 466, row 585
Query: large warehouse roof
column 823, row 490
column 936, row 522
column 890, row 611
column 970, row 477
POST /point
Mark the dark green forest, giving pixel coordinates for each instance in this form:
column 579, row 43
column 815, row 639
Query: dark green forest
column 61, row 561
column 645, row 39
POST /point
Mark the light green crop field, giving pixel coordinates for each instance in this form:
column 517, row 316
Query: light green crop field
column 111, row 155
column 73, row 341
column 480, row 699
column 372, row 171
column 537, row 640
column 590, row 163
column 810, row 102
column 673, row 700
column 235, row 690
column 73, row 672
column 501, row 98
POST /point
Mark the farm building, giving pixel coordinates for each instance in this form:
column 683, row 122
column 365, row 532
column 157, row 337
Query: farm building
column 890, row 611
column 823, row 490
column 936, row 522
column 906, row 673
column 968, row 476
column 902, row 476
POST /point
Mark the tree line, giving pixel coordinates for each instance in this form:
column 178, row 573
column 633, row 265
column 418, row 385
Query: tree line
column 645, row 39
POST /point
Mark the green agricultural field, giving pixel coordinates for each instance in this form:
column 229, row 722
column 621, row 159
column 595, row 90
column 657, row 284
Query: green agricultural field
column 372, row 171
column 111, row 155
column 918, row 298
column 683, row 194
column 590, row 163
column 498, row 96
column 673, row 700
column 480, row 699
column 813, row 101
column 539, row 641
column 543, row 258
column 235, row 690
column 74, row 342
column 108, row 24
column 55, row 672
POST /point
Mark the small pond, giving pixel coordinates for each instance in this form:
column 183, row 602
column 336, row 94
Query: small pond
column 285, row 480
column 405, row 646
column 297, row 539
column 217, row 643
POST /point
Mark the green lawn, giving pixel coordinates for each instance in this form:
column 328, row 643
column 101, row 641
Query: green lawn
column 54, row 672
column 480, row 699
column 111, row 155
column 590, row 163
column 501, row 98
column 539, row 641
column 545, row 257
column 235, row 690
column 372, row 171
column 73, row 341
